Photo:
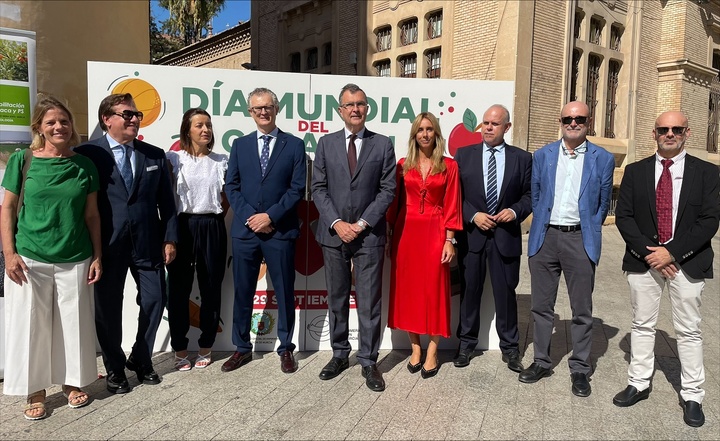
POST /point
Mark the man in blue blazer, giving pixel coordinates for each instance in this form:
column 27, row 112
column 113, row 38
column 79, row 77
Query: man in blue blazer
column 571, row 190
column 139, row 232
column 494, row 205
column 265, row 182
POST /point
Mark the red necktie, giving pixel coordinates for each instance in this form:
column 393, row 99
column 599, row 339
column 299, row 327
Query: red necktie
column 352, row 154
column 663, row 202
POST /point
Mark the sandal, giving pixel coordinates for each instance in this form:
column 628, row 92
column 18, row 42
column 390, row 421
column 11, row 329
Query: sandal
column 76, row 397
column 182, row 363
column 30, row 411
column 203, row 361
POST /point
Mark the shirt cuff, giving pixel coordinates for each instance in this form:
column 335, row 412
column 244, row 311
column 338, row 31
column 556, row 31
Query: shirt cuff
column 332, row 225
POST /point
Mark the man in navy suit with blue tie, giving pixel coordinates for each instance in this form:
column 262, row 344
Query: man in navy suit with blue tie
column 139, row 233
column 265, row 182
column 571, row 188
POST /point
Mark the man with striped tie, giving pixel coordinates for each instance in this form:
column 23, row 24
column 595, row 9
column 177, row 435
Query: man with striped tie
column 496, row 198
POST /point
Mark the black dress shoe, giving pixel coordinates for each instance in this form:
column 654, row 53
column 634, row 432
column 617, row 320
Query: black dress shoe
column 425, row 373
column 236, row 360
column 462, row 358
column 414, row 368
column 534, row 373
column 287, row 362
column 630, row 396
column 333, row 368
column 373, row 378
column 117, row 383
column 580, row 384
column 145, row 374
column 513, row 361
column 693, row 414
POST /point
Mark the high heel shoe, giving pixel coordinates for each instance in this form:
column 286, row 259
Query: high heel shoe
column 414, row 368
column 425, row 373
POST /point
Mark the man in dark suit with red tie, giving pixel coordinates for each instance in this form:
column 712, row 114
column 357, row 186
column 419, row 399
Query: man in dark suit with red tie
column 667, row 212
column 495, row 178
column 264, row 184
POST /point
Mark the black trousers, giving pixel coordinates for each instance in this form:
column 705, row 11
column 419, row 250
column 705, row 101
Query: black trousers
column 202, row 247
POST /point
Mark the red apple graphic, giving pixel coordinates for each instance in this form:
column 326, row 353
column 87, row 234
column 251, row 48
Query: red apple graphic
column 466, row 133
column 308, row 255
column 175, row 147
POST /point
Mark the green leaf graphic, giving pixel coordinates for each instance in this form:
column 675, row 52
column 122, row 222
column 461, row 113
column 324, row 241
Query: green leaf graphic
column 469, row 120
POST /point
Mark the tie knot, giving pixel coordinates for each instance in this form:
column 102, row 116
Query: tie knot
column 666, row 163
column 492, row 150
column 266, row 138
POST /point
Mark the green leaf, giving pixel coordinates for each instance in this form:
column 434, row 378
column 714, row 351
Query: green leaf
column 469, row 120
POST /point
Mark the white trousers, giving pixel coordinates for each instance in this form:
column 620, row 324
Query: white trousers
column 50, row 328
column 685, row 298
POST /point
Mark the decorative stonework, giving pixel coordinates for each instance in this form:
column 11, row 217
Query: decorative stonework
column 228, row 42
column 685, row 70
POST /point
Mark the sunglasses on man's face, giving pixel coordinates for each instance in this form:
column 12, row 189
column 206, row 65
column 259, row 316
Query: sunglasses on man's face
column 677, row 131
column 567, row 120
column 127, row 115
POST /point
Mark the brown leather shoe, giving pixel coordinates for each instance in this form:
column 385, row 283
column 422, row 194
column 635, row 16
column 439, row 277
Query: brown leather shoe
column 287, row 362
column 238, row 359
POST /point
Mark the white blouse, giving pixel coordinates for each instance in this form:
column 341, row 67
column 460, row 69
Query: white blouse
column 198, row 181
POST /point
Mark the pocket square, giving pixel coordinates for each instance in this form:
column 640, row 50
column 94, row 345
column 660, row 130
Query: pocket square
column 151, row 168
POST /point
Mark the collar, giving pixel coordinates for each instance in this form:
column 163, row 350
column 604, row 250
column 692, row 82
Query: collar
column 674, row 159
column 360, row 134
column 579, row 150
column 114, row 144
column 499, row 148
column 273, row 134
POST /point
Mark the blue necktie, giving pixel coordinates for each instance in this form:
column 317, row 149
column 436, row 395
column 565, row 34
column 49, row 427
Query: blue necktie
column 265, row 155
column 126, row 168
column 492, row 183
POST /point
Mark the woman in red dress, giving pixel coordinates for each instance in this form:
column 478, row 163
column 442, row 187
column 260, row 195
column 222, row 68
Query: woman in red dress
column 423, row 219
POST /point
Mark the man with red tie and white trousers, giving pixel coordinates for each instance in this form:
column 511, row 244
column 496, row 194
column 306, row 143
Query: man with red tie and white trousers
column 667, row 213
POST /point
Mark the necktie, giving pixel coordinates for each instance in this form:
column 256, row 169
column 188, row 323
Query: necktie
column 492, row 183
column 352, row 154
column 663, row 202
column 126, row 168
column 265, row 155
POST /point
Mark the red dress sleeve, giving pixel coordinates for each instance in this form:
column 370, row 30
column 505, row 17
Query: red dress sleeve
column 392, row 213
column 452, row 202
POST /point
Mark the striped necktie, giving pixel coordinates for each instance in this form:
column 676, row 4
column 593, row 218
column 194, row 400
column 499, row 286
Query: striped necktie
column 126, row 168
column 491, row 196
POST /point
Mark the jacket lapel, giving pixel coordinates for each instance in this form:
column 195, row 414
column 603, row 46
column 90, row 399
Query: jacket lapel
column 280, row 143
column 510, row 167
column 688, row 183
column 649, row 178
column 588, row 167
column 116, row 176
column 365, row 148
column 341, row 152
column 139, row 167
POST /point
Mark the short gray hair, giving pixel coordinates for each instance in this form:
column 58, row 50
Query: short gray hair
column 265, row 91
column 350, row 87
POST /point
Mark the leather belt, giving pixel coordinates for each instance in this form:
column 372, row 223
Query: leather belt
column 565, row 228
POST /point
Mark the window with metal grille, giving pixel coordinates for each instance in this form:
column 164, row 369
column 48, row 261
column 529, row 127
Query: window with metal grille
column 434, row 27
column 616, row 32
column 384, row 38
column 408, row 66
column 327, row 54
column 295, row 62
column 382, row 68
column 409, row 32
column 593, row 79
column 611, row 98
column 596, row 27
column 579, row 16
column 575, row 72
column 312, row 59
column 432, row 62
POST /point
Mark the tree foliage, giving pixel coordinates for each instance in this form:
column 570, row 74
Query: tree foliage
column 189, row 19
column 161, row 44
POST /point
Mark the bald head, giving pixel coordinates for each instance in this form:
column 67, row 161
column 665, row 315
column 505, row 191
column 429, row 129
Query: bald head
column 574, row 122
column 670, row 132
column 496, row 122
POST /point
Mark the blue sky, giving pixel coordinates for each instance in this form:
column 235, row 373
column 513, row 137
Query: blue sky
column 233, row 12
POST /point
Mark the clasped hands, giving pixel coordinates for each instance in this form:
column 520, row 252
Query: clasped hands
column 487, row 222
column 347, row 231
column 660, row 260
column 260, row 223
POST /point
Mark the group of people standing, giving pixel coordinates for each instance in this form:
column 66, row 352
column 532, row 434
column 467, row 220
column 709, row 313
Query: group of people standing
column 116, row 203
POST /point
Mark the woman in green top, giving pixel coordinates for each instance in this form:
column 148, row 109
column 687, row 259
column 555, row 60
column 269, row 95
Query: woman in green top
column 52, row 255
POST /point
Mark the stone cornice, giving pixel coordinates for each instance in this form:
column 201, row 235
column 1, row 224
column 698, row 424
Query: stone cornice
column 687, row 70
column 220, row 45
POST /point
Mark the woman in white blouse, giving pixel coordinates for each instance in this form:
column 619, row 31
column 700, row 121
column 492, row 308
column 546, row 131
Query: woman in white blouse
column 199, row 177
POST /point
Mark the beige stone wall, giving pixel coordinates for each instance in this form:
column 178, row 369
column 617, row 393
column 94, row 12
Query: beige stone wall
column 647, row 87
column 474, row 40
column 71, row 33
column 233, row 61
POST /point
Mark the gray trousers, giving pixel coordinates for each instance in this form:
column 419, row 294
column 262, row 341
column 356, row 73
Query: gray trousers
column 562, row 252
column 368, row 267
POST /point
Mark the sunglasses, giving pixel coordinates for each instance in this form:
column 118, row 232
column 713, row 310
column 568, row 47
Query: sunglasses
column 127, row 115
column 677, row 131
column 567, row 120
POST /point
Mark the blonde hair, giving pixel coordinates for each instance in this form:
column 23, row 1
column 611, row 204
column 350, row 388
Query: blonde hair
column 411, row 160
column 44, row 105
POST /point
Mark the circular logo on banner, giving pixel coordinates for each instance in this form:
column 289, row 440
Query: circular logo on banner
column 262, row 323
column 319, row 328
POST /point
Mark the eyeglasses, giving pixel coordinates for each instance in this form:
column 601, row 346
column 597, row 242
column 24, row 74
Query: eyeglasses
column 127, row 115
column 677, row 131
column 567, row 120
column 257, row 110
column 349, row 106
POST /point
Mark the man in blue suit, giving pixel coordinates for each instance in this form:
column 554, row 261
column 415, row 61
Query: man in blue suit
column 571, row 189
column 265, row 182
column 139, row 232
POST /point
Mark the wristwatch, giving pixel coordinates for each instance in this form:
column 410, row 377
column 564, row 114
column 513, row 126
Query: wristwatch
column 451, row 240
column 362, row 224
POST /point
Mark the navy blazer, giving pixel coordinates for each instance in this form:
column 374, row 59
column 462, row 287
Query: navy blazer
column 139, row 222
column 277, row 193
column 365, row 195
column 595, row 194
column 514, row 194
column 695, row 225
